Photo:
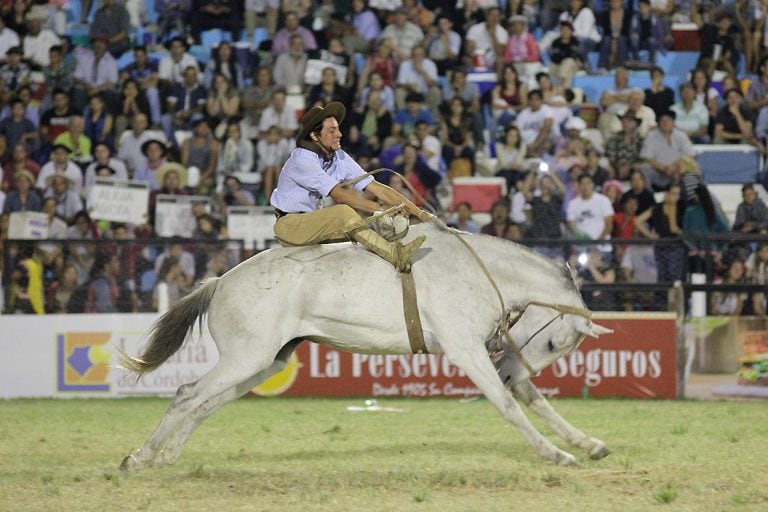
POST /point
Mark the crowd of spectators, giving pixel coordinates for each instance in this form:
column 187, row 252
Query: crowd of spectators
column 135, row 101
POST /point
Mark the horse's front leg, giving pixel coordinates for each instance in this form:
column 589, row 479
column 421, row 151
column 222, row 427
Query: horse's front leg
column 527, row 393
column 478, row 367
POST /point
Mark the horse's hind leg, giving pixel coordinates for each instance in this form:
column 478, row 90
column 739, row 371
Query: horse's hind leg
column 227, row 373
column 172, row 450
column 477, row 365
column 527, row 393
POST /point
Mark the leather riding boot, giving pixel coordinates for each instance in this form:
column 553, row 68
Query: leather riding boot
column 397, row 254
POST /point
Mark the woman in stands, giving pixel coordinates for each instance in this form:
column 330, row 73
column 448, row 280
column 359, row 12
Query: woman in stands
column 133, row 100
column 705, row 93
column 224, row 62
column 584, row 26
column 510, row 156
column 98, row 122
column 508, row 97
column 382, row 62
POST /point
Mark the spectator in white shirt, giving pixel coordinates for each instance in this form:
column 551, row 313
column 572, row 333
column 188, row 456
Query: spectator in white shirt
column 405, row 35
column 418, row 74
column 280, row 114
column 488, row 39
column 536, row 124
column 38, row 41
column 171, row 68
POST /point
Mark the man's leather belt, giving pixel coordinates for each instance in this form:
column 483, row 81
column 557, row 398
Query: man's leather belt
column 281, row 213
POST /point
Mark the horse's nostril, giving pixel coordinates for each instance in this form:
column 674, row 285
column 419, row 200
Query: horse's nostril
column 550, row 346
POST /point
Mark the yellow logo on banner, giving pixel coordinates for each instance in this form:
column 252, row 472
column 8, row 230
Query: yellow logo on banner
column 280, row 382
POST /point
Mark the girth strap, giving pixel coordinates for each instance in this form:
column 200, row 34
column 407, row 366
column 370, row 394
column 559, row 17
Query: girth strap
column 411, row 313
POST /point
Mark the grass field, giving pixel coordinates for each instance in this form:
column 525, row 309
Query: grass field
column 440, row 455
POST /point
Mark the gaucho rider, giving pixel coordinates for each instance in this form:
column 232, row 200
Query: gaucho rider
column 313, row 172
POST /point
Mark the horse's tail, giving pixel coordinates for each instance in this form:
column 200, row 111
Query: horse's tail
column 169, row 332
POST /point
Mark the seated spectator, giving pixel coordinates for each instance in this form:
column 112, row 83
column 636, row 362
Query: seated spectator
column 96, row 72
column 658, row 96
column 58, row 75
column 692, row 116
column 173, row 179
column 584, row 24
column 224, row 62
column 19, row 161
column 457, row 139
column 418, row 75
column 565, row 55
column 639, row 190
column 614, row 101
column 280, row 114
column 60, row 163
column 406, row 118
column 623, row 149
column 501, row 225
column 536, row 125
column 210, row 14
column 637, row 262
column 131, row 141
column 38, row 40
column 102, row 153
column 365, row 21
column 23, row 198
column 444, row 45
column 600, row 175
column 730, row 303
column 233, row 193
column 104, row 290
column 590, row 214
column 733, row 123
column 423, row 179
column 167, row 289
column 223, row 101
column 328, row 90
column 613, row 190
column 173, row 68
column 430, row 148
column 8, row 39
column 272, row 150
column 380, row 61
column 547, row 214
column 13, row 74
column 385, row 92
column 663, row 150
column 510, row 156
column 99, row 122
column 646, row 32
column 405, row 35
column 290, row 66
column 520, row 47
column 458, row 85
column 68, row 203
column 184, row 101
column 75, row 140
column 614, row 23
column 55, row 120
column 645, row 114
column 61, row 291
column 463, row 218
column 112, row 22
column 133, row 100
column 291, row 27
column 202, row 151
column 186, row 261
column 143, row 72
column 155, row 152
column 487, row 39
column 17, row 129
column 31, row 108
column 172, row 17
column 706, row 94
column 751, row 214
column 254, row 99
column 757, row 266
column 718, row 41
column 237, row 152
column 508, row 96
column 597, row 269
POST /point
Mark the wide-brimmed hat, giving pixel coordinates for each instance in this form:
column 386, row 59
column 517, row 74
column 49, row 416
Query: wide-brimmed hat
column 49, row 179
column 317, row 114
column 576, row 123
column 37, row 13
column 146, row 144
column 164, row 169
column 23, row 173
column 630, row 113
column 518, row 18
column 566, row 23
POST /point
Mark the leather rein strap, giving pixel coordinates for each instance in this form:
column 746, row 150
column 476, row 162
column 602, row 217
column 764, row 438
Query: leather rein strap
column 411, row 312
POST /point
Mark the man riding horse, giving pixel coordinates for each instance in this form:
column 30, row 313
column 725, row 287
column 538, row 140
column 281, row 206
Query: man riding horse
column 314, row 171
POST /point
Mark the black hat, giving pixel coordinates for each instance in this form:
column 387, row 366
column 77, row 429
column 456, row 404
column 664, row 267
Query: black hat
column 15, row 50
column 668, row 113
column 60, row 146
column 317, row 114
column 146, row 144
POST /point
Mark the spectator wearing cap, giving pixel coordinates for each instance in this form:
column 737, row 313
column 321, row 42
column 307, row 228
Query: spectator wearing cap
column 418, row 74
column 60, row 163
column 520, row 48
column 658, row 96
column 537, row 125
column 8, row 39
column 19, row 161
column 751, row 214
column 68, row 203
column 404, row 35
column 24, row 198
column 623, row 149
column 488, row 38
column 202, row 151
column 112, row 22
column 130, row 142
column 663, row 151
column 646, row 32
column 733, row 123
column 692, row 117
column 38, row 40
column 172, row 68
column 281, row 42
column 184, row 101
column 444, row 45
column 566, row 56
column 13, row 74
column 155, row 151
column 18, row 129
column 102, row 156
column 96, row 72
column 289, row 67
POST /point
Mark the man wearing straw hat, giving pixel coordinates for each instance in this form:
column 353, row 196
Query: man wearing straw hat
column 313, row 172
column 24, row 198
column 68, row 203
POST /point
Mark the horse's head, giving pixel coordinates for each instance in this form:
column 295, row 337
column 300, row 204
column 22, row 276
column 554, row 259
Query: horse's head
column 543, row 334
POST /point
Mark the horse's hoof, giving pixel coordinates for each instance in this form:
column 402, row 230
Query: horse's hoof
column 127, row 464
column 566, row 459
column 599, row 451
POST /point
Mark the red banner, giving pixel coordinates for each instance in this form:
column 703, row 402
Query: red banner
column 638, row 360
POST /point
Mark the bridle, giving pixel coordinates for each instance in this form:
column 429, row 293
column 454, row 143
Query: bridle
column 510, row 318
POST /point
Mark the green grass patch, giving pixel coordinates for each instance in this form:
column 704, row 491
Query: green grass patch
column 441, row 455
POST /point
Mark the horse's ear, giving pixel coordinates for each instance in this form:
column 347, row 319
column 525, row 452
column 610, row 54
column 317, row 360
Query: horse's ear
column 588, row 327
column 597, row 330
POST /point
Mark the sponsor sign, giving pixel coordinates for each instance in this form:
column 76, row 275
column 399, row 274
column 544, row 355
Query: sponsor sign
column 254, row 225
column 174, row 217
column 28, row 226
column 119, row 200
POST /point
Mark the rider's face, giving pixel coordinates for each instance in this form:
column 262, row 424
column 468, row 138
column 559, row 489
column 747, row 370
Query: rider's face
column 330, row 136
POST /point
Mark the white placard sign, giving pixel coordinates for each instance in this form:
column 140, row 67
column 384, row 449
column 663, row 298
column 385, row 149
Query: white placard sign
column 174, row 217
column 313, row 72
column 253, row 224
column 119, row 200
column 28, row 226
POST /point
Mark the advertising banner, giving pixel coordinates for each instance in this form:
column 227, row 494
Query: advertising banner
column 174, row 215
column 119, row 200
column 74, row 355
column 254, row 225
column 28, row 226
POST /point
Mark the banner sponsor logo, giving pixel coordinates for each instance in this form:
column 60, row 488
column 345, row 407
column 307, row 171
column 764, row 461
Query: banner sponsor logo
column 82, row 360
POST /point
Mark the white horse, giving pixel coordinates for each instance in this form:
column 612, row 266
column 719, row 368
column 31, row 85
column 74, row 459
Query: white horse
column 344, row 297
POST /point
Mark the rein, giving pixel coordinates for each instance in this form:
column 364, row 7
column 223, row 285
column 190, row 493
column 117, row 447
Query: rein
column 507, row 321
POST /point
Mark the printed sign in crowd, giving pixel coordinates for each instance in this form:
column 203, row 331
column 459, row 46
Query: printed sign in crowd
column 174, row 215
column 119, row 200
column 252, row 224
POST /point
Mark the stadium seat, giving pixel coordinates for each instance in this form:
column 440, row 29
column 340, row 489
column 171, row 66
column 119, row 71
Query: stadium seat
column 212, row 38
column 677, row 63
column 728, row 163
column 729, row 197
